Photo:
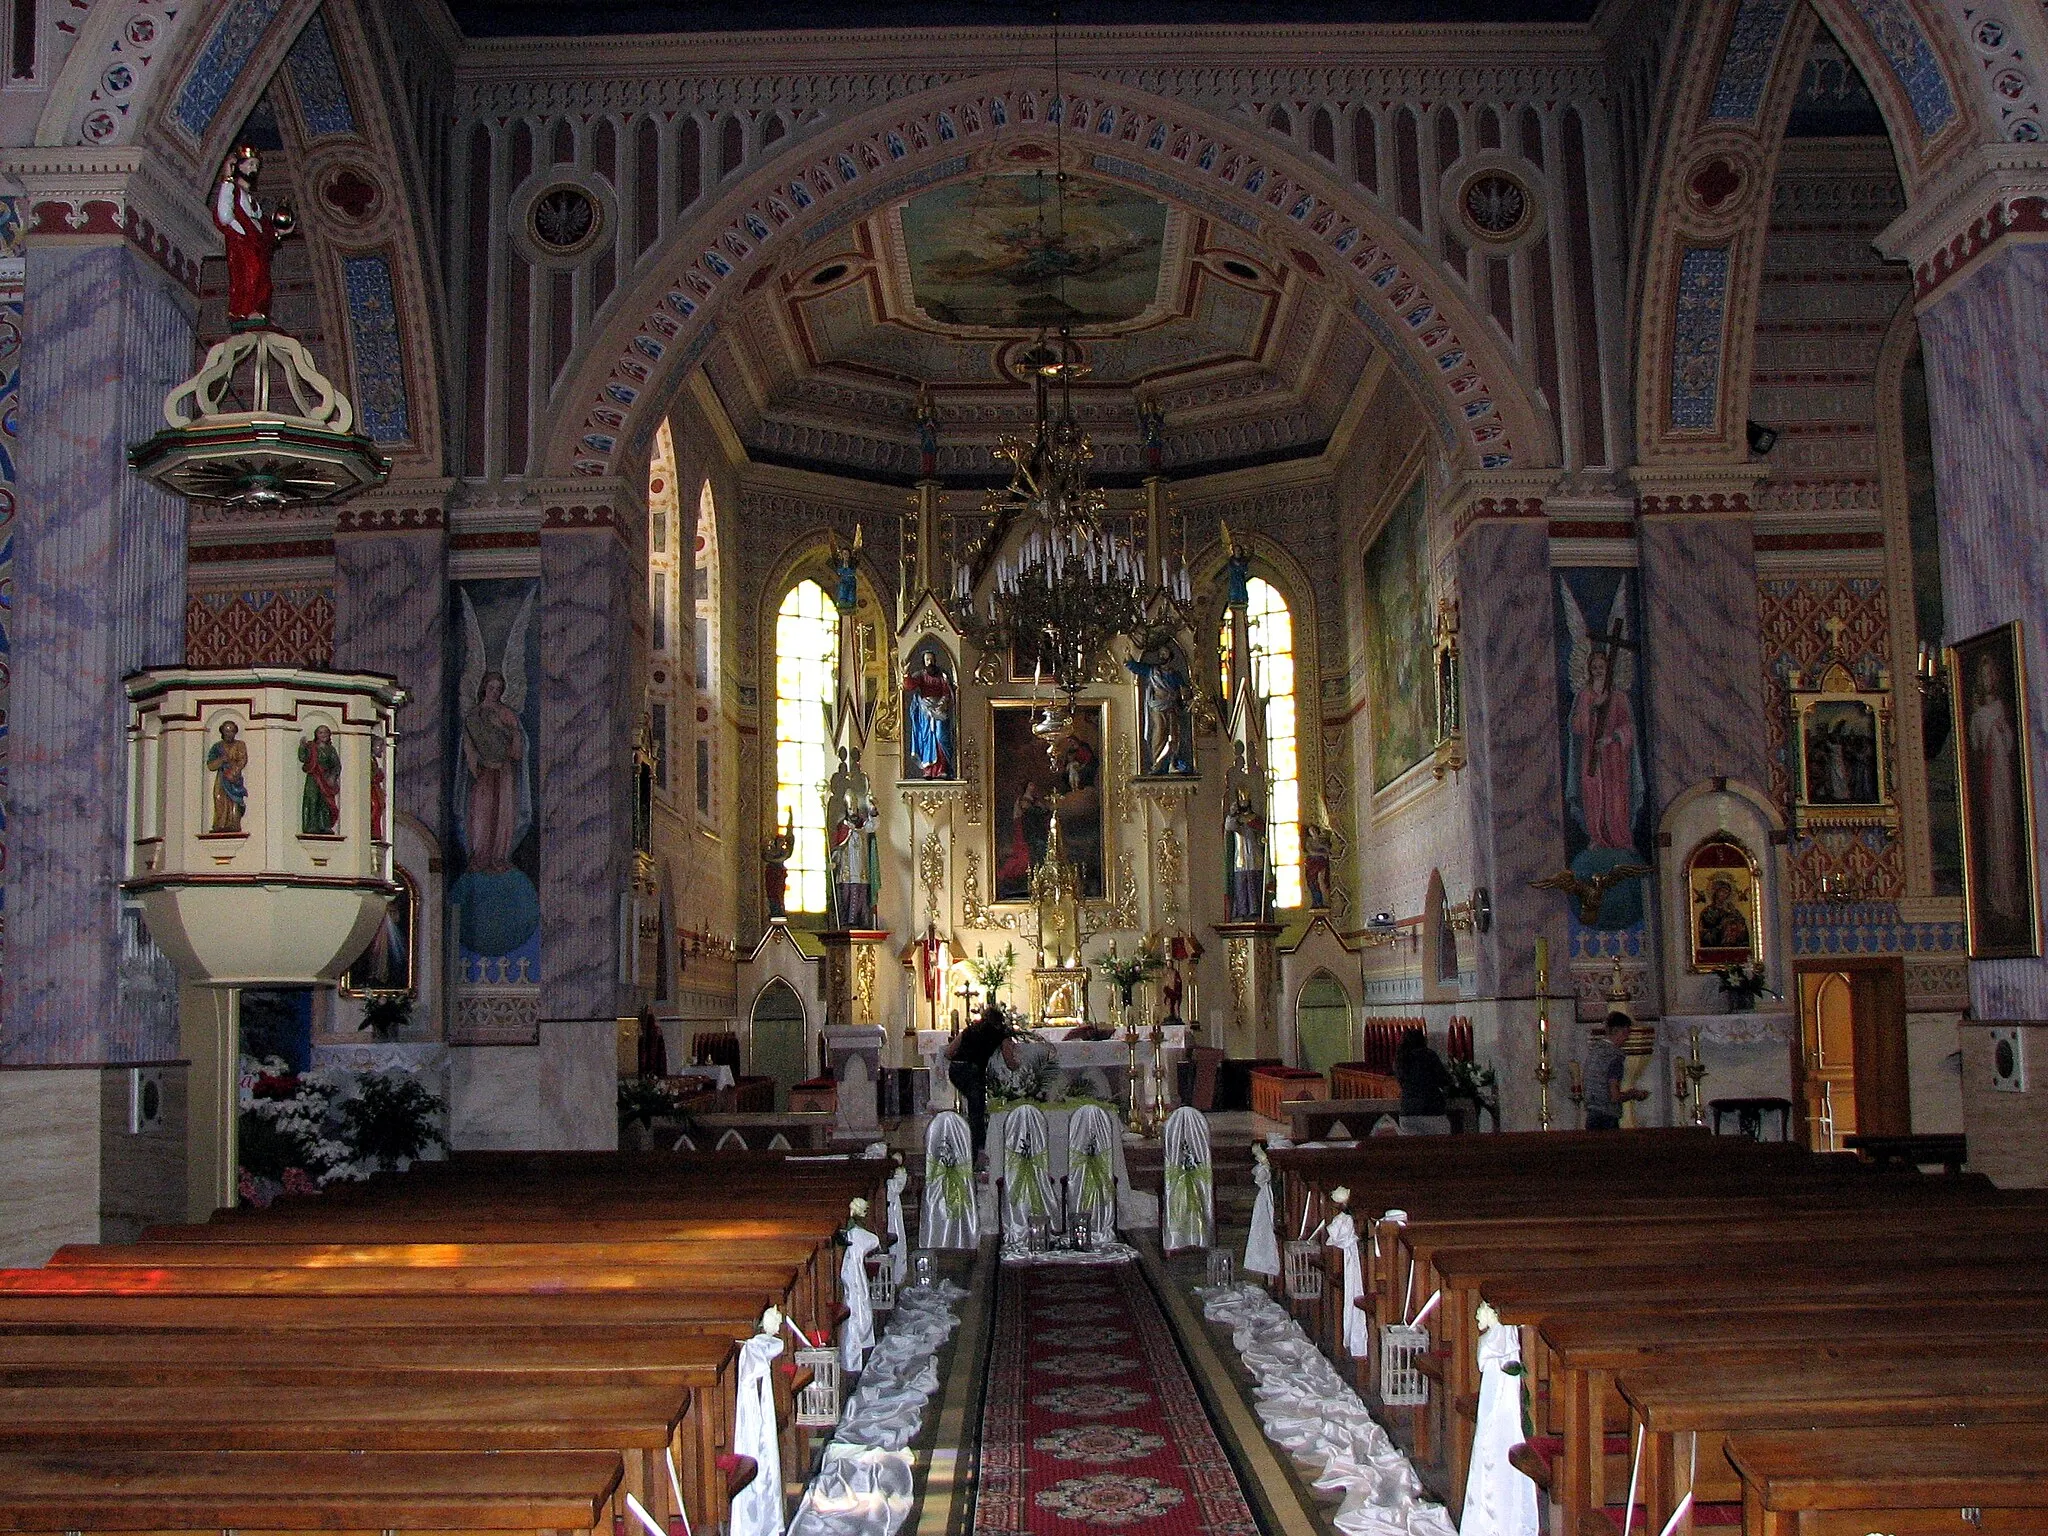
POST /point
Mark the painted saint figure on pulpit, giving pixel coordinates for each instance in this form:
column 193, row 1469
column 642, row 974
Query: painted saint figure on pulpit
column 930, row 717
column 252, row 233
column 228, row 761
column 320, row 803
column 1166, row 740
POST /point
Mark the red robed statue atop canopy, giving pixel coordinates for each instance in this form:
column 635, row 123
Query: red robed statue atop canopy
column 253, row 234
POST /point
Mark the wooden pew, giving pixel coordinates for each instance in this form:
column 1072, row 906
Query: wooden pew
column 401, row 1492
column 1683, row 1410
column 1914, row 1482
column 639, row 1424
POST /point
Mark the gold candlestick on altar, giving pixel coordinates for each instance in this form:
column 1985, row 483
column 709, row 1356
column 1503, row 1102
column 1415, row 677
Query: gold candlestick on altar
column 1543, row 1069
column 1695, row 1067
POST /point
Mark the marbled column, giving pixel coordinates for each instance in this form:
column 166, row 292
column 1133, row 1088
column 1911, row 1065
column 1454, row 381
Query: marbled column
column 1701, row 652
column 99, row 590
column 1510, row 703
column 587, row 719
column 391, row 615
column 1984, row 338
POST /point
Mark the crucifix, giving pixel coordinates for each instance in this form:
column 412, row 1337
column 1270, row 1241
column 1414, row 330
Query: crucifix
column 966, row 996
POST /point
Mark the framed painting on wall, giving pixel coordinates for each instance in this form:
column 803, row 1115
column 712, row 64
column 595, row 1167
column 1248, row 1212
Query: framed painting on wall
column 1725, row 925
column 1026, row 779
column 1842, row 746
column 388, row 966
column 2001, row 901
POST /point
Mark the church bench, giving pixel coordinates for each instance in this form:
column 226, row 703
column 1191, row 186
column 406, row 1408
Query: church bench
column 764, row 1261
column 1527, row 1299
column 1586, row 1353
column 1680, row 1407
column 639, row 1424
column 535, row 1493
column 319, row 1361
column 1846, row 1482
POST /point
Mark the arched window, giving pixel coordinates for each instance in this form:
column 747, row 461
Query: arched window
column 704, row 596
column 806, row 640
column 1272, row 644
column 662, row 538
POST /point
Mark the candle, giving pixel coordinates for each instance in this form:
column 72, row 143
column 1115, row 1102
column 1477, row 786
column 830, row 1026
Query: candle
column 1543, row 957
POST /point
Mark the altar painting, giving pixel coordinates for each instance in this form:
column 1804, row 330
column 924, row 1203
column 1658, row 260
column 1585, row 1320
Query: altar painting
column 1024, row 782
column 1399, row 654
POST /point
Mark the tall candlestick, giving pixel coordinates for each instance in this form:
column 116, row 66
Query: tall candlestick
column 1543, row 1069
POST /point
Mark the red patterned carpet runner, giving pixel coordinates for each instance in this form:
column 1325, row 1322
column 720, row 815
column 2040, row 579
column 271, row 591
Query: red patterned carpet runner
column 1092, row 1422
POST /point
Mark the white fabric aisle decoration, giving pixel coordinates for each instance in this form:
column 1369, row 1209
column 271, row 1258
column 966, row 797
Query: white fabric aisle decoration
column 1262, row 1247
column 1499, row 1500
column 866, row 1484
column 1027, row 1174
column 1310, row 1412
column 1343, row 1236
column 1188, row 1211
column 899, row 1251
column 1092, row 1140
column 857, row 1333
column 757, row 1508
column 951, row 1218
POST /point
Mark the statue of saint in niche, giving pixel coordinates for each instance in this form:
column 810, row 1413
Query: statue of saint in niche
column 930, row 717
column 1165, row 733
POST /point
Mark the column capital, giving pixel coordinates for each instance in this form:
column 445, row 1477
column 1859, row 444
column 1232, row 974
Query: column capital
column 1696, row 490
column 81, row 194
column 1985, row 195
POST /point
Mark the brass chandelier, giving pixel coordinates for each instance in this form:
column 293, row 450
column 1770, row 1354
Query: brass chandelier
column 1064, row 589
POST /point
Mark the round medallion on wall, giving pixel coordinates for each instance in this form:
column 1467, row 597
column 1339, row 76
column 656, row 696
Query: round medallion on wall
column 563, row 219
column 1497, row 205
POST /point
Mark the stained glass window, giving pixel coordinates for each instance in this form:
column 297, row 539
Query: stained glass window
column 1272, row 645
column 806, row 640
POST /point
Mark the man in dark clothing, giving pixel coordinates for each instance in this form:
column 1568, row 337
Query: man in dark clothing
column 1422, row 1075
column 967, row 1069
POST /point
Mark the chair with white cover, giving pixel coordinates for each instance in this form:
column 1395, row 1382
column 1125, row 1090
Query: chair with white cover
column 1027, row 1173
column 1092, row 1140
column 950, row 1219
column 1189, row 1207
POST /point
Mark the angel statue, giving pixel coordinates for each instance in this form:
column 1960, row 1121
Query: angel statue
column 495, row 808
column 775, row 856
column 1604, row 775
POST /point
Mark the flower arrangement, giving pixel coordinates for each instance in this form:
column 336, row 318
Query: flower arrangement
column 300, row 1131
column 1124, row 972
column 1742, row 984
column 991, row 973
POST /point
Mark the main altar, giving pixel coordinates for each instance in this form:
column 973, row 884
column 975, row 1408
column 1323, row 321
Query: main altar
column 1027, row 762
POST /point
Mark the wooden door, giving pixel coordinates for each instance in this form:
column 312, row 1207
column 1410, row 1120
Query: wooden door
column 1849, row 1072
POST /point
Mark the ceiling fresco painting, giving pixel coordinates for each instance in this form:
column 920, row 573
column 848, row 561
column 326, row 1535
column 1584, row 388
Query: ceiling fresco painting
column 948, row 295
column 1013, row 252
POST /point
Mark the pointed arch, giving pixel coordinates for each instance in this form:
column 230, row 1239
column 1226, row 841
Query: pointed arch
column 1272, row 629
